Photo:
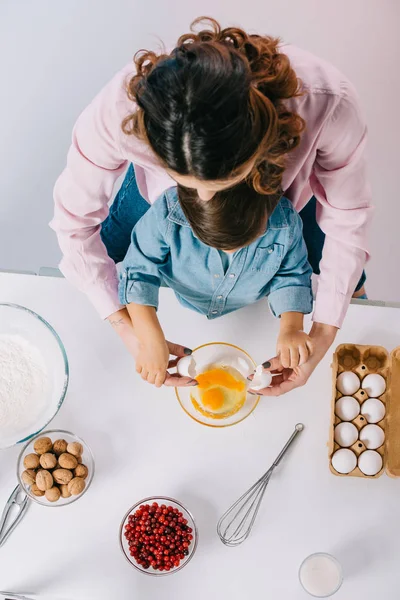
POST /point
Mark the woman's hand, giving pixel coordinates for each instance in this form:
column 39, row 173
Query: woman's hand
column 122, row 324
column 287, row 379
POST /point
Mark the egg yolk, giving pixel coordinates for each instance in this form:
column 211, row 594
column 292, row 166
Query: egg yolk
column 218, row 377
column 213, row 399
column 219, row 393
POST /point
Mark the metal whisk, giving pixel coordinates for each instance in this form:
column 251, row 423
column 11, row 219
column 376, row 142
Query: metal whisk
column 235, row 525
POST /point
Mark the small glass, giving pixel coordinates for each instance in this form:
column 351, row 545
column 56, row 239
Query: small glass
column 321, row 575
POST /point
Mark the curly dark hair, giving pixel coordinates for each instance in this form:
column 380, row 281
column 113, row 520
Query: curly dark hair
column 215, row 103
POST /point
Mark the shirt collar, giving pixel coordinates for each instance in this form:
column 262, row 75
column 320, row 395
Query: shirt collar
column 175, row 212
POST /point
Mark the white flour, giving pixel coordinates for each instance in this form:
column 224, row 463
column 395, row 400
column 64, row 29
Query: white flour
column 23, row 384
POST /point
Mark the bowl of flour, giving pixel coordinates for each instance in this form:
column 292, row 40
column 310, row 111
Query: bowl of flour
column 33, row 374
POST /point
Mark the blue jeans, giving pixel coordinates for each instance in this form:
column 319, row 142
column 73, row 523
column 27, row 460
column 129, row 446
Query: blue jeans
column 129, row 206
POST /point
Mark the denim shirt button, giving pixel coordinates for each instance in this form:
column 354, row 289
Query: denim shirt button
column 232, row 275
column 270, row 250
column 216, row 276
column 219, row 297
column 214, row 312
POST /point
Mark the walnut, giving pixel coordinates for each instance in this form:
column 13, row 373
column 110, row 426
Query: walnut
column 44, row 480
column 31, row 461
column 59, row 447
column 81, row 471
column 35, row 490
column 53, row 494
column 62, row 475
column 43, row 445
column 75, row 448
column 65, row 493
column 29, row 476
column 48, row 460
column 67, row 461
column 76, row 486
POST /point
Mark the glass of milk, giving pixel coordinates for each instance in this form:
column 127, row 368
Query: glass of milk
column 321, row 575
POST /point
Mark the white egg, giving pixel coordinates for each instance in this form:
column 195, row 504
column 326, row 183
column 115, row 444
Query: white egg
column 344, row 461
column 347, row 408
column 372, row 436
column 373, row 410
column 374, row 385
column 261, row 379
column 348, row 383
column 370, row 462
column 346, row 434
column 186, row 367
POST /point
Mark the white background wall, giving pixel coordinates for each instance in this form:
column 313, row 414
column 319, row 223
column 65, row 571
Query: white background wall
column 56, row 54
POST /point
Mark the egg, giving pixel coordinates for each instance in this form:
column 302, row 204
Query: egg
column 220, row 393
column 346, row 434
column 370, row 462
column 373, row 410
column 372, row 436
column 347, row 408
column 374, row 385
column 344, row 461
column 186, row 367
column 261, row 379
column 348, row 383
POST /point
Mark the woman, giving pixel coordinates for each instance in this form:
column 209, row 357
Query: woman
column 222, row 107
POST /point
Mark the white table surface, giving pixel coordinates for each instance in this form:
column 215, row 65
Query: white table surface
column 144, row 444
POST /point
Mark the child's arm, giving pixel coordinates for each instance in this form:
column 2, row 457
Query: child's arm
column 139, row 285
column 294, row 347
column 290, row 298
column 153, row 354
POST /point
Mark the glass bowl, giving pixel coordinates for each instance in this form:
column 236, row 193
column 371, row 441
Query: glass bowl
column 218, row 352
column 170, row 502
column 56, row 434
column 19, row 321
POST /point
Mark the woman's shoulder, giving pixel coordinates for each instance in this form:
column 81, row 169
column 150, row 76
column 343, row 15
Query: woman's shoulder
column 107, row 111
column 316, row 74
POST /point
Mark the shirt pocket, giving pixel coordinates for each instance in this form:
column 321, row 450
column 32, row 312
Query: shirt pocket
column 268, row 259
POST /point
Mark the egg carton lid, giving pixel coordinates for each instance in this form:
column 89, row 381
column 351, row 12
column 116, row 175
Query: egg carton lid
column 392, row 462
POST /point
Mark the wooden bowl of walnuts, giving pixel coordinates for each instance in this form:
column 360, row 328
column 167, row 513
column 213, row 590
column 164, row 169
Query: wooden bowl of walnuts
column 55, row 468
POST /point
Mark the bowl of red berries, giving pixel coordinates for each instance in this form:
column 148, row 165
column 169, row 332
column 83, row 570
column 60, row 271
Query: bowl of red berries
column 158, row 536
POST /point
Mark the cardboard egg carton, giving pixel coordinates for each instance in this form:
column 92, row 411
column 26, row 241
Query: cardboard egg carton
column 364, row 360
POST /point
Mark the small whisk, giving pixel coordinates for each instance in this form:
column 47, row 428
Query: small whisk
column 235, row 525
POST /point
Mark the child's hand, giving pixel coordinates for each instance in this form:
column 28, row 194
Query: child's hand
column 294, row 348
column 152, row 359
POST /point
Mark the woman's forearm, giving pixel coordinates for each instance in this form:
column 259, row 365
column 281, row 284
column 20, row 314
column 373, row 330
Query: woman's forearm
column 323, row 336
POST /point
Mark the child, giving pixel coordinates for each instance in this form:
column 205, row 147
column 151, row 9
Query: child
column 217, row 256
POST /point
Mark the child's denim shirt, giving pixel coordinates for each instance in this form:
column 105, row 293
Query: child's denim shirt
column 165, row 252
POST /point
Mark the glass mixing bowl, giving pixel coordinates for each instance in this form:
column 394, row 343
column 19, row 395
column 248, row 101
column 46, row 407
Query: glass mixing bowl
column 19, row 321
column 56, row 434
column 168, row 502
column 224, row 354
